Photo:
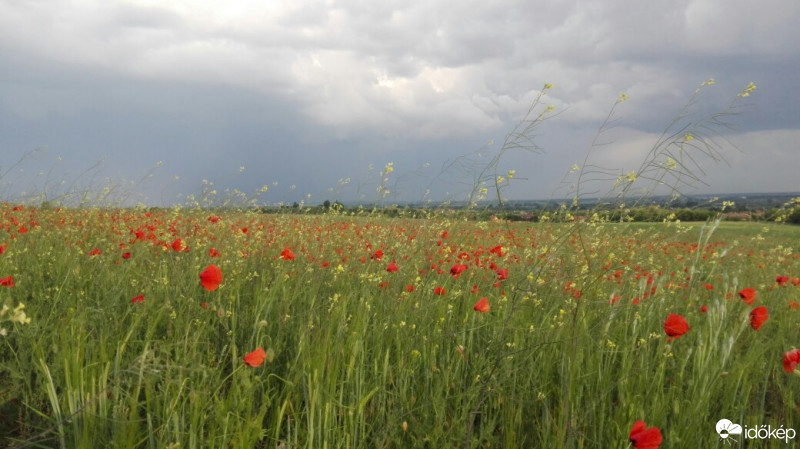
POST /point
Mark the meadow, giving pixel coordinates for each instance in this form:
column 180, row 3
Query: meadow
column 202, row 328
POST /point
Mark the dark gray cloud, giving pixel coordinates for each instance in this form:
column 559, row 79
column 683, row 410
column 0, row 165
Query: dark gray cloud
column 306, row 94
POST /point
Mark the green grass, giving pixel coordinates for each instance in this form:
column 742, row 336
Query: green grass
column 357, row 364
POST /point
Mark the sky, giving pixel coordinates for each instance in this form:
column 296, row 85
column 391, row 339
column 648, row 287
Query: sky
column 166, row 102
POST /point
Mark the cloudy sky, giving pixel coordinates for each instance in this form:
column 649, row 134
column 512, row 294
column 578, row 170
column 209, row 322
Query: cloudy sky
column 151, row 97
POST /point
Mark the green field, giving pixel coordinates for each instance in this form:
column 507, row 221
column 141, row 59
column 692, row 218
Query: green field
column 571, row 352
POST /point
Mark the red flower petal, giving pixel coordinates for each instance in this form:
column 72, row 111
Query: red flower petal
column 675, row 326
column 644, row 438
column 758, row 317
column 255, row 358
column 482, row 305
column 790, row 360
column 457, row 269
column 211, row 277
column 287, row 254
column 748, row 295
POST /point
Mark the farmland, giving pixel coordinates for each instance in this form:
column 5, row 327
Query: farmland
column 337, row 330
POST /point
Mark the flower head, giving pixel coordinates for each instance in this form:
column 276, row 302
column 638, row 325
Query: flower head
column 255, row 358
column 17, row 315
column 179, row 245
column 211, row 277
column 675, row 326
column 481, row 306
column 748, row 295
column 644, row 438
column 457, row 269
column 758, row 317
column 790, row 360
column 502, row 274
column 287, row 254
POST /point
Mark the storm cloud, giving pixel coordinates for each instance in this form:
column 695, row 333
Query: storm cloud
column 304, row 94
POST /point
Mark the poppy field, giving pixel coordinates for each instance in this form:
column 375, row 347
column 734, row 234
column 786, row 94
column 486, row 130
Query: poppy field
column 199, row 328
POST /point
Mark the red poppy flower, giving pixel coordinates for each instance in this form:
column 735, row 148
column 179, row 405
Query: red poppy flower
column 213, row 252
column 136, row 299
column 410, row 288
column 498, row 250
column 790, row 360
column 481, row 306
column 703, row 308
column 782, row 280
column 708, row 287
column 179, row 245
column 457, row 269
column 287, row 254
column 7, row 281
column 439, row 290
column 126, row 255
column 675, row 326
column 2, row 249
column 392, row 267
column 211, row 277
column 474, row 289
column 502, row 274
column 758, row 316
column 644, row 438
column 748, row 295
column 255, row 358
column 377, row 255
column 795, row 281
column 95, row 252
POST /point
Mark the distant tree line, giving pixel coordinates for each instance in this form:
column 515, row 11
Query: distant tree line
column 649, row 213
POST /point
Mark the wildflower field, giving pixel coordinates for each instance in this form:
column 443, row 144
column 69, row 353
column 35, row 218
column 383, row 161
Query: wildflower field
column 201, row 328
